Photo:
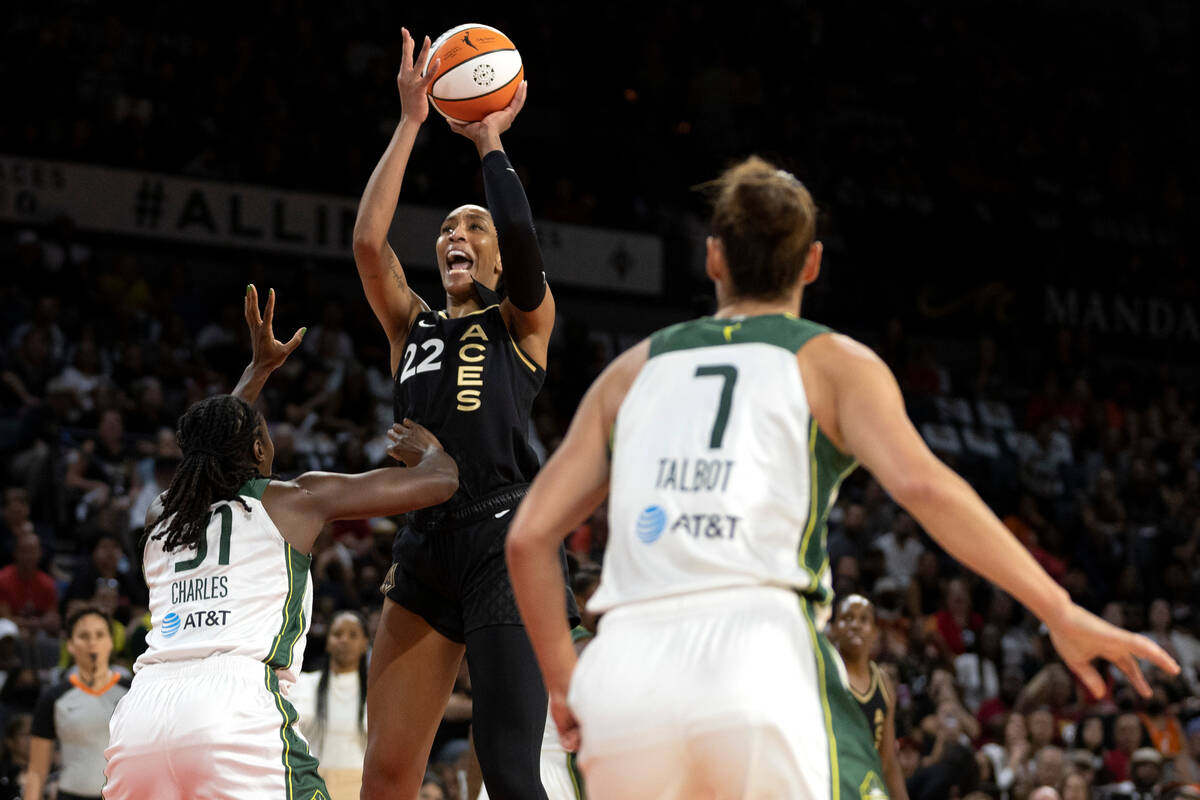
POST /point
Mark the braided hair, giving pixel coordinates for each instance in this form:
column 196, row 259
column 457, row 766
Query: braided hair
column 216, row 435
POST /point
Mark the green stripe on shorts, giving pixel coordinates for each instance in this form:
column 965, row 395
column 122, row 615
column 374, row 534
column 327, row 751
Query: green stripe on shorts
column 854, row 765
column 299, row 765
column 576, row 777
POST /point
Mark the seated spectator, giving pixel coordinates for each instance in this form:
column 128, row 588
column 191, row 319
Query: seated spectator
column 101, row 469
column 901, row 548
column 104, row 571
column 14, row 758
column 14, row 520
column 851, row 538
column 1128, row 735
column 1160, row 723
column 1144, row 782
column 978, row 670
column 956, row 623
column 27, row 594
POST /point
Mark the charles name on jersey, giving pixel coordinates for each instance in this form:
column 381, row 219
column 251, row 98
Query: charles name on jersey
column 694, row 474
column 191, row 589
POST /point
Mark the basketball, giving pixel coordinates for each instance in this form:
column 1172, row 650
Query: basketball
column 479, row 73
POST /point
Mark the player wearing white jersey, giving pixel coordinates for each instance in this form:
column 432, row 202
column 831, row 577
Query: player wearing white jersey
column 227, row 562
column 721, row 443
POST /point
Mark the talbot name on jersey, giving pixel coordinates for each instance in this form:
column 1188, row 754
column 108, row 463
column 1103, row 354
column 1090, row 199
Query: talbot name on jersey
column 694, row 474
column 706, row 526
column 193, row 589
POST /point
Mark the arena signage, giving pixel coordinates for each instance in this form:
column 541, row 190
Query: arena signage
column 261, row 218
column 1148, row 317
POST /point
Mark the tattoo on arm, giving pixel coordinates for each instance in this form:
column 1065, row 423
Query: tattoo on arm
column 400, row 283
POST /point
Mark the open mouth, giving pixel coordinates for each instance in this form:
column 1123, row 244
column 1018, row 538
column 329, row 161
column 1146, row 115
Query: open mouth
column 458, row 260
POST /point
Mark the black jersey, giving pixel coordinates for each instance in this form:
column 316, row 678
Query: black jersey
column 468, row 381
column 874, row 703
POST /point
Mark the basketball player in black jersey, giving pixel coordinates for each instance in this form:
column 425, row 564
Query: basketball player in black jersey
column 854, row 634
column 469, row 373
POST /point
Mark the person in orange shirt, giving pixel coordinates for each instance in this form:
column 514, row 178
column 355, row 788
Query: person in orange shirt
column 1162, row 726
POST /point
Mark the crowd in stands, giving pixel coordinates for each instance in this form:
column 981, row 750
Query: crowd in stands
column 1015, row 166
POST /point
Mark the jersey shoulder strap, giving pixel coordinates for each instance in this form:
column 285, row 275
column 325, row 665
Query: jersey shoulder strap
column 782, row 330
column 255, row 487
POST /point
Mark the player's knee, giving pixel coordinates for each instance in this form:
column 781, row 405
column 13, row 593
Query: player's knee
column 385, row 777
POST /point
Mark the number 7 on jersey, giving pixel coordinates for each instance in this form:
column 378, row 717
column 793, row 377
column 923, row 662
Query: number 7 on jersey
column 728, row 373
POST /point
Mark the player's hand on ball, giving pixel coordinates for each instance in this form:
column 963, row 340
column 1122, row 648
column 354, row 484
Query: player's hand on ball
column 409, row 442
column 564, row 720
column 494, row 123
column 1080, row 636
column 268, row 352
column 414, row 105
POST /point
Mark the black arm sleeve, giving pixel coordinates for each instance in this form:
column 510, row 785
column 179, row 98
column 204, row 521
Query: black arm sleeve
column 524, row 280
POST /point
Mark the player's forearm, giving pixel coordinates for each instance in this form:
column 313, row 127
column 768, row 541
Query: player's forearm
column 524, row 280
column 251, row 384
column 377, row 207
column 957, row 519
column 537, row 581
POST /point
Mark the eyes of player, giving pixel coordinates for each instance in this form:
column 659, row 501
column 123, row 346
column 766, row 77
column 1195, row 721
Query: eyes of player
column 475, row 226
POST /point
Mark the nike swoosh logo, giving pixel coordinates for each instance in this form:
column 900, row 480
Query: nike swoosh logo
column 424, row 324
column 500, row 514
column 510, row 169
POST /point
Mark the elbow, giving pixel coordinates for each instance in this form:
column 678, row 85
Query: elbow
column 519, row 543
column 446, row 484
column 365, row 246
column 922, row 488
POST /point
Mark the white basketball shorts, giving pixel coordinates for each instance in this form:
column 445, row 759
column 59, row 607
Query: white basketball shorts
column 730, row 693
column 216, row 728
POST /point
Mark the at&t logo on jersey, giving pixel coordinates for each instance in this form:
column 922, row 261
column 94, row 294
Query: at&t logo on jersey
column 172, row 622
column 651, row 523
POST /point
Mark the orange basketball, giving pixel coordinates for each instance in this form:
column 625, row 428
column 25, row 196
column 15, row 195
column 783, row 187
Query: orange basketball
column 479, row 73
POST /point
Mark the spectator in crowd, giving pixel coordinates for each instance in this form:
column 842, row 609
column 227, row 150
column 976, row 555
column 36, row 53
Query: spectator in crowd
column 14, row 758
column 27, row 594
column 956, row 623
column 109, row 569
column 332, row 704
column 1128, row 735
column 901, row 548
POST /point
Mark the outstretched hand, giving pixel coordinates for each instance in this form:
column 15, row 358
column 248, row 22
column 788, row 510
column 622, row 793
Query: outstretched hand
column 409, row 441
column 1080, row 636
column 486, row 133
column 414, row 82
column 268, row 352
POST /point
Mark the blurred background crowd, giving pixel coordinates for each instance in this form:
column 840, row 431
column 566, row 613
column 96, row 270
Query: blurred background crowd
column 986, row 185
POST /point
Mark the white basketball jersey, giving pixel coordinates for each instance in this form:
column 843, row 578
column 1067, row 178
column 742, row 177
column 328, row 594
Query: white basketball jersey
column 245, row 591
column 720, row 475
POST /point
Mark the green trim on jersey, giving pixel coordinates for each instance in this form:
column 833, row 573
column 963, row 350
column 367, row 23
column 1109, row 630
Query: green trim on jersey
column 254, row 488
column 293, row 608
column 854, row 765
column 783, row 330
column 579, row 633
column 827, row 468
column 299, row 765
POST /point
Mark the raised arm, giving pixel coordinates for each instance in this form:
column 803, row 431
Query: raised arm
column 528, row 308
column 394, row 303
column 303, row 506
column 267, row 352
column 864, row 415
